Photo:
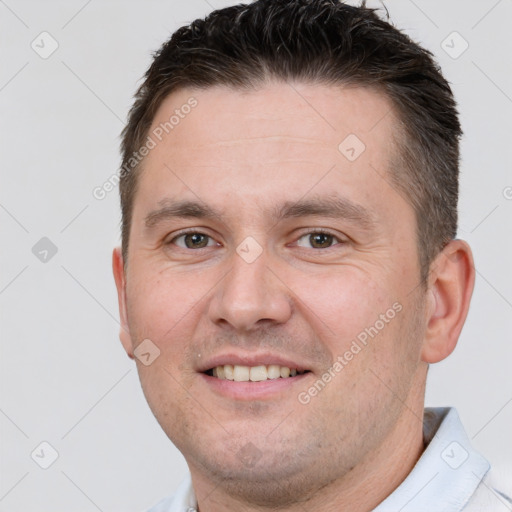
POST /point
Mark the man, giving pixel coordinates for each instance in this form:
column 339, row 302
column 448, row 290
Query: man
column 289, row 267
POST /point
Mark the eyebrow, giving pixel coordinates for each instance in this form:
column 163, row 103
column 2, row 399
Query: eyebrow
column 335, row 207
column 322, row 206
column 179, row 209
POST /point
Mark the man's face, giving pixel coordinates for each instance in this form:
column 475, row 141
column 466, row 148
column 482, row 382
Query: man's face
column 297, row 254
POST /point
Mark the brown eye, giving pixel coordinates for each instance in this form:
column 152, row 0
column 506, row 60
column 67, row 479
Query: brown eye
column 321, row 240
column 318, row 240
column 193, row 240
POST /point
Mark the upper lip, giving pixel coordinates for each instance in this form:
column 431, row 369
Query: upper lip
column 251, row 359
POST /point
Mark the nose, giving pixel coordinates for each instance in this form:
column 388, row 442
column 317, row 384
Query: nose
column 250, row 296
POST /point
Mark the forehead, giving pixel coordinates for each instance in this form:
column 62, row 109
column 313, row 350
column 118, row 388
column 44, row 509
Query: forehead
column 279, row 140
column 316, row 113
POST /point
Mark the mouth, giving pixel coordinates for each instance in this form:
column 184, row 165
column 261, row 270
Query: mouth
column 262, row 376
column 258, row 373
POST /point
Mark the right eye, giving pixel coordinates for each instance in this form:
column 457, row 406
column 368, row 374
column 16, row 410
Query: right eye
column 192, row 240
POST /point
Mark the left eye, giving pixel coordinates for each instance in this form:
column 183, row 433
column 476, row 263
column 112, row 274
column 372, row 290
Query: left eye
column 318, row 240
column 194, row 240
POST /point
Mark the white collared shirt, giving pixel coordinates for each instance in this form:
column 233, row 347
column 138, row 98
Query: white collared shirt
column 450, row 476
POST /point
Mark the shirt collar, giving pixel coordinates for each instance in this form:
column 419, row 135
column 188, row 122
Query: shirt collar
column 447, row 473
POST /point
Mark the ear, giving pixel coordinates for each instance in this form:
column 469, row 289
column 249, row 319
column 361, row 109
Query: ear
column 119, row 277
column 450, row 286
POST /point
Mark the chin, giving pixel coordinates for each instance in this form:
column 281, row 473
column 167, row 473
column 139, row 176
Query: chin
column 274, row 477
column 264, row 483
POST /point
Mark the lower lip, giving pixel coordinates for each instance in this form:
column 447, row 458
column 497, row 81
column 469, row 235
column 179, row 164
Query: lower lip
column 253, row 390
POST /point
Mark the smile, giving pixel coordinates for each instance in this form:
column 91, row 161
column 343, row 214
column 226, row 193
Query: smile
column 258, row 373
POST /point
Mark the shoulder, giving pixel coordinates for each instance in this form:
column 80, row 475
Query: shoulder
column 163, row 505
column 494, row 494
column 183, row 500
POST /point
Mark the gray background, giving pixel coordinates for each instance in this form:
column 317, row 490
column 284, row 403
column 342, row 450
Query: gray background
column 64, row 377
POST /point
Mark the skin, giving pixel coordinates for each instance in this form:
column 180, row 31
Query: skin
column 303, row 298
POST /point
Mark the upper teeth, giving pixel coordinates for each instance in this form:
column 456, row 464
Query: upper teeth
column 252, row 373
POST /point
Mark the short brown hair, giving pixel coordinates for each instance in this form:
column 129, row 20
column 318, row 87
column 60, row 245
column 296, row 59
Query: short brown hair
column 324, row 42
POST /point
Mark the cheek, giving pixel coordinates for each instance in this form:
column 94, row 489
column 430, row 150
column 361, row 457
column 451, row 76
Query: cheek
column 176, row 411
column 162, row 307
column 343, row 304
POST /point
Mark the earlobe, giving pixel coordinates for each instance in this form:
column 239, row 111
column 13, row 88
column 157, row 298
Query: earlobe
column 119, row 277
column 450, row 287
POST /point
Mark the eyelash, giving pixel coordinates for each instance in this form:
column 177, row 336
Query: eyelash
column 312, row 231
